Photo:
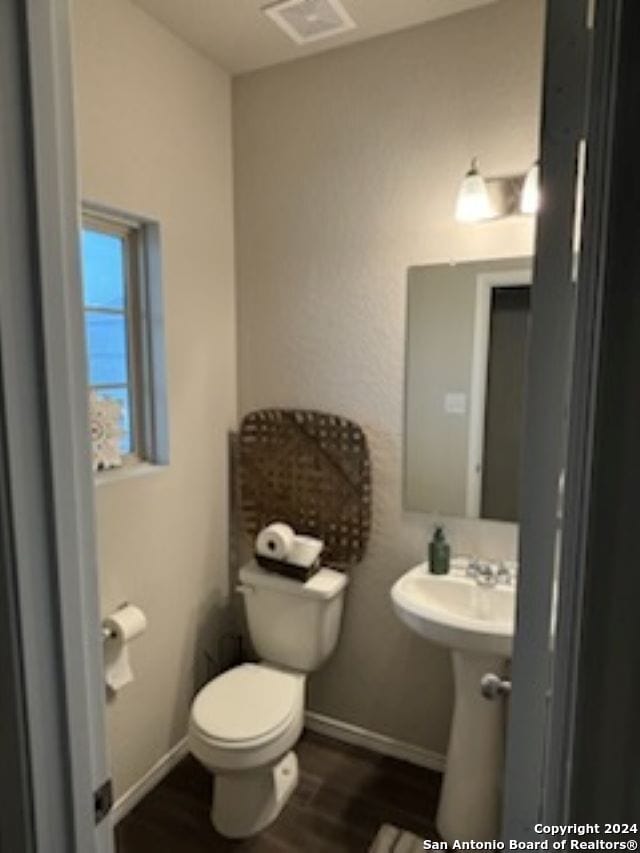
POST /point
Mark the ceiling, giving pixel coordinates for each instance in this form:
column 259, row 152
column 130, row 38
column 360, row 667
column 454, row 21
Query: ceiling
column 240, row 38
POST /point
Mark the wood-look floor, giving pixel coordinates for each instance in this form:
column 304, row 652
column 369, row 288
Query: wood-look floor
column 345, row 793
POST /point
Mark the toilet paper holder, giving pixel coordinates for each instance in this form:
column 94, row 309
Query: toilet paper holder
column 109, row 633
column 119, row 629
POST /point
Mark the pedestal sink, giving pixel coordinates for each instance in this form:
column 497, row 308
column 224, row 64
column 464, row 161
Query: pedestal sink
column 476, row 622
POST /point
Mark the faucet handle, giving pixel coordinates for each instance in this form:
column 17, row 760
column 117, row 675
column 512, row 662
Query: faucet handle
column 473, row 567
column 503, row 573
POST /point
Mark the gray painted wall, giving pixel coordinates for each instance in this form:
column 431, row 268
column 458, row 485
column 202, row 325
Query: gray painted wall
column 346, row 171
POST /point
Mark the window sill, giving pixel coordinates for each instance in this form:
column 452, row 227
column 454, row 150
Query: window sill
column 127, row 472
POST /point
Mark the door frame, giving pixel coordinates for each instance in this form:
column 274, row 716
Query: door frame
column 48, row 587
column 46, row 490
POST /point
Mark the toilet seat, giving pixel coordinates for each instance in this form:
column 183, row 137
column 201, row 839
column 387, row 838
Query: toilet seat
column 250, row 705
column 247, row 718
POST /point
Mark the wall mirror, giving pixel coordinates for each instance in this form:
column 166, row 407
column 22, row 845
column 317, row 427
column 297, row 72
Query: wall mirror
column 466, row 348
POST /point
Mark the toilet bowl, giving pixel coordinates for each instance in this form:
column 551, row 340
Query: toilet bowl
column 245, row 722
column 243, row 725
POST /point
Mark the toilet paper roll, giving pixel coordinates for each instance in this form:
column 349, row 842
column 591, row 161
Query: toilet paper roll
column 305, row 551
column 123, row 626
column 275, row 541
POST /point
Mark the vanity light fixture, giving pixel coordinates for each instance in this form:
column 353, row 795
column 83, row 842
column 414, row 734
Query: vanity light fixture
column 530, row 197
column 474, row 204
column 481, row 199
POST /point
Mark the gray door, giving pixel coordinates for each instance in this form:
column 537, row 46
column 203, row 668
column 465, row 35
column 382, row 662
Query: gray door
column 53, row 768
column 559, row 413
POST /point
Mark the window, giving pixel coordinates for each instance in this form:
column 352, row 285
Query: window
column 125, row 347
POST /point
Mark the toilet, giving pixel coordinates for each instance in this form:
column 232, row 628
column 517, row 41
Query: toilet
column 245, row 722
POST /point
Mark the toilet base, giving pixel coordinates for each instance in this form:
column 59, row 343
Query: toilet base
column 246, row 802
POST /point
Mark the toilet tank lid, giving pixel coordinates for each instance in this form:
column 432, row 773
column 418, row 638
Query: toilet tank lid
column 327, row 583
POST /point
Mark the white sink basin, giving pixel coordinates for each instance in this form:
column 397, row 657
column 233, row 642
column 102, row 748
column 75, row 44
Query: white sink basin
column 455, row 611
column 476, row 623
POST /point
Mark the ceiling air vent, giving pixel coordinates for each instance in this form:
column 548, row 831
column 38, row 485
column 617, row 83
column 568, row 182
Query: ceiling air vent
column 306, row 21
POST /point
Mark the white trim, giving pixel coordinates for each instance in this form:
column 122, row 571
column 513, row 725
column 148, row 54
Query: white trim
column 130, row 799
column 485, row 283
column 382, row 744
column 127, row 472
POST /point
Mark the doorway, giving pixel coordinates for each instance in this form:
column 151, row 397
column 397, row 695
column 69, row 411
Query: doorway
column 57, row 465
column 506, row 369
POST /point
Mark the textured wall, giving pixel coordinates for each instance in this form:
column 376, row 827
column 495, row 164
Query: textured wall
column 154, row 122
column 346, row 170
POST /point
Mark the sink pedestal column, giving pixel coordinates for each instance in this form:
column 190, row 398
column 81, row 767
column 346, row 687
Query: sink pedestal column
column 471, row 799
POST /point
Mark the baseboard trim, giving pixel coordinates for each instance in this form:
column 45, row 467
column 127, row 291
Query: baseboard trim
column 357, row 736
column 337, row 729
column 130, row 799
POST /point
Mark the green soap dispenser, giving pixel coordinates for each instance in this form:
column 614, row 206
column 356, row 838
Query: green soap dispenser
column 439, row 553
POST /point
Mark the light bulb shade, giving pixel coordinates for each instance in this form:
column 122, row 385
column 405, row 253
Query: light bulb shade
column 473, row 204
column 530, row 197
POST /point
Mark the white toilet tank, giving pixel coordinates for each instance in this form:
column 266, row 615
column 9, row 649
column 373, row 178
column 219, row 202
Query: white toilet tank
column 293, row 624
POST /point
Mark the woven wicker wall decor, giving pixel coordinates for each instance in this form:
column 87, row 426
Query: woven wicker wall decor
column 311, row 470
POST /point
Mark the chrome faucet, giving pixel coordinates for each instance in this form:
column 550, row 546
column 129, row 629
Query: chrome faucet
column 489, row 574
column 484, row 573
